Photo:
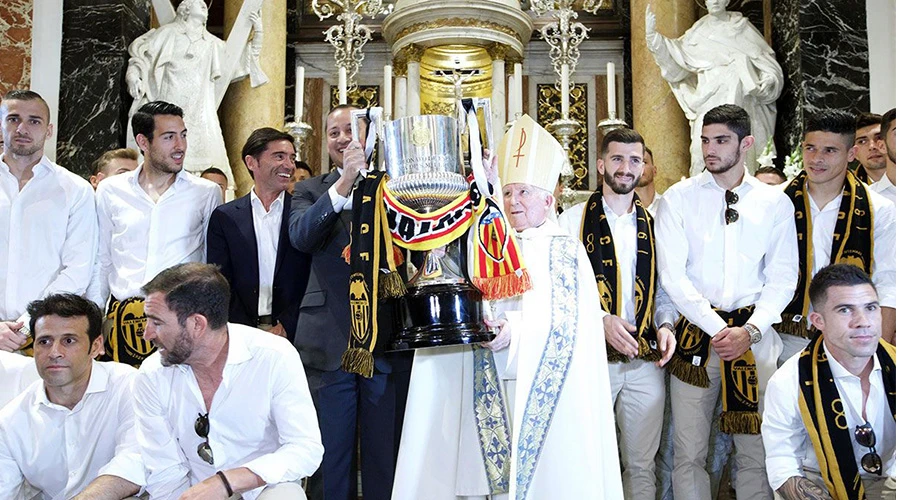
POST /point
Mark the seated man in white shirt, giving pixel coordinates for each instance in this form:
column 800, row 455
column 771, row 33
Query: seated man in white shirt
column 222, row 408
column 832, row 407
column 71, row 435
column 17, row 372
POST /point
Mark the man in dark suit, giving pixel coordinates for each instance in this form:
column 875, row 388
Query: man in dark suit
column 248, row 239
column 320, row 222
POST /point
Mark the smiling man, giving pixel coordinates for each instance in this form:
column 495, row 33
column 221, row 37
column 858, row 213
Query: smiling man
column 870, row 151
column 248, row 239
column 72, row 434
column 150, row 219
column 830, row 420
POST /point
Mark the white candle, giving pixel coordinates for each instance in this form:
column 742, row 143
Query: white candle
column 342, row 85
column 298, row 95
column 564, row 90
column 388, row 91
column 611, row 90
column 517, row 85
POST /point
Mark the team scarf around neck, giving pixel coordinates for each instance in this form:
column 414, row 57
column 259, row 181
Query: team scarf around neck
column 851, row 244
column 373, row 274
column 740, row 380
column 598, row 241
column 822, row 411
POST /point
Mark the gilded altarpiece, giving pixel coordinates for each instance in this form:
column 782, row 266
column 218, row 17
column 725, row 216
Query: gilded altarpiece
column 548, row 106
column 365, row 96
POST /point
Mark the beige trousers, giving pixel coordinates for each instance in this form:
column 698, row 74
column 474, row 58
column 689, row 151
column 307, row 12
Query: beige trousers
column 280, row 491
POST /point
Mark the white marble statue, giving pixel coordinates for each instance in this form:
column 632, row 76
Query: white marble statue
column 721, row 59
column 182, row 63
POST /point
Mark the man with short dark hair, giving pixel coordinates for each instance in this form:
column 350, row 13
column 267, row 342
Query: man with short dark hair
column 113, row 162
column 150, row 219
column 727, row 260
column 770, row 175
column 222, row 408
column 218, row 176
column 646, row 186
column 830, row 421
column 838, row 219
column 248, row 239
column 72, row 434
column 869, row 148
column 301, row 173
column 887, row 185
column 48, row 224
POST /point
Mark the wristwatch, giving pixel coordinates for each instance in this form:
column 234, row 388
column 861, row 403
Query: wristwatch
column 668, row 325
column 755, row 334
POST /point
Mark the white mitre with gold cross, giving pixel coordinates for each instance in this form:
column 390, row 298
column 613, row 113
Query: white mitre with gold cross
column 530, row 155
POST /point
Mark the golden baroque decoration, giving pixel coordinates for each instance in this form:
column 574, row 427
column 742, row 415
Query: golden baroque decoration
column 549, row 102
column 456, row 22
column 439, row 108
column 412, row 53
column 497, row 51
column 365, row 96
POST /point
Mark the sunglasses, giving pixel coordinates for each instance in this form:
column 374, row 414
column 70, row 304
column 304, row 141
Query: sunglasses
column 201, row 427
column 731, row 215
column 865, row 436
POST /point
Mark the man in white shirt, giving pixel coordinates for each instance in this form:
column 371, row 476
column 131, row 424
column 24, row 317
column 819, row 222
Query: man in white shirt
column 150, row 219
column 248, row 239
column 71, row 435
column 830, row 421
column 887, row 185
column 869, row 148
column 618, row 234
column 48, row 224
column 17, row 372
column 222, row 408
column 727, row 259
column 838, row 220
column 646, row 186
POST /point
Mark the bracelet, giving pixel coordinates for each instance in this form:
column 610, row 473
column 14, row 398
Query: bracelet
column 668, row 325
column 224, row 479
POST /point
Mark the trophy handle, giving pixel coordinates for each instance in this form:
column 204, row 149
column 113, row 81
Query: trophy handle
column 468, row 110
column 374, row 116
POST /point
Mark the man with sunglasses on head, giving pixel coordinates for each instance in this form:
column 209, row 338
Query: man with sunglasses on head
column 727, row 261
column 223, row 409
column 839, row 219
column 830, row 421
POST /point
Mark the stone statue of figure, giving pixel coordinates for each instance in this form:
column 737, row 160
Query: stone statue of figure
column 721, row 59
column 182, row 63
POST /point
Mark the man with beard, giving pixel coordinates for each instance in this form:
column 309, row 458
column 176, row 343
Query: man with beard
column 150, row 219
column 617, row 232
column 222, row 408
column 869, row 148
column 727, row 259
column 887, row 185
column 646, row 186
column 48, row 225
column 839, row 220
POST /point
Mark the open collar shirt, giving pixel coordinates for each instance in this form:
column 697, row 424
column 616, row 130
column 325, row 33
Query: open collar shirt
column 267, row 227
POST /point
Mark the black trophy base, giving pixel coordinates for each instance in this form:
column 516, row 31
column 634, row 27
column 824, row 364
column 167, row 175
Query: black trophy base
column 440, row 315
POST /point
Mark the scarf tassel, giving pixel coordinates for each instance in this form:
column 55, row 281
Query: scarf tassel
column 359, row 361
column 645, row 352
column 791, row 327
column 391, row 285
column 740, row 422
column 504, row 286
column 688, row 373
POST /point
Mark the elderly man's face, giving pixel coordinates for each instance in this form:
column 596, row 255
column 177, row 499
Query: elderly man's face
column 526, row 206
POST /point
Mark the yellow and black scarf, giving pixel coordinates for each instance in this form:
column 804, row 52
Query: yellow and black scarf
column 740, row 380
column 852, row 244
column 823, row 417
column 597, row 238
column 373, row 274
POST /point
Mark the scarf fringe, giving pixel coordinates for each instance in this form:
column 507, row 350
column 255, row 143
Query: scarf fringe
column 391, row 285
column 791, row 327
column 688, row 373
column 740, row 422
column 504, row 286
column 645, row 352
column 359, row 361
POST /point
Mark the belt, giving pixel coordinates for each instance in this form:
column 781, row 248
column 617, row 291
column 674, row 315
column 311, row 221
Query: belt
column 265, row 320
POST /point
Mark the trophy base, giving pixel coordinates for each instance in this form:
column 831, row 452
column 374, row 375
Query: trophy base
column 440, row 315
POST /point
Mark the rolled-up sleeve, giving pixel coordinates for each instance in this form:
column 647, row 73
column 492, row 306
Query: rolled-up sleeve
column 781, row 268
column 884, row 270
column 784, row 435
column 127, row 462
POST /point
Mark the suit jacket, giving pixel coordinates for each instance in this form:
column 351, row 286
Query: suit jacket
column 231, row 244
column 324, row 323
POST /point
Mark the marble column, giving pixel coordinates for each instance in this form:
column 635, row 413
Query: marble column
column 93, row 99
column 413, row 55
column 498, row 90
column 246, row 109
column 657, row 115
column 400, row 87
column 15, row 51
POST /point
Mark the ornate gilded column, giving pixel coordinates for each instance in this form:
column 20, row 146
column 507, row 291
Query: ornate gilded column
column 498, row 54
column 413, row 55
column 246, row 109
column 657, row 115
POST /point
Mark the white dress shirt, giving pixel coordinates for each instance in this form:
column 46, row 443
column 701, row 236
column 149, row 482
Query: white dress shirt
column 60, row 451
column 140, row 238
column 788, row 449
column 885, row 188
column 48, row 236
column 705, row 263
column 624, row 231
column 17, row 372
column 262, row 417
column 267, row 226
column 884, row 258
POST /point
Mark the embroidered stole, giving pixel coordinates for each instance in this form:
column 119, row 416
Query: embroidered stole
column 852, row 244
column 740, row 380
column 823, row 416
column 598, row 241
column 373, row 274
column 494, row 434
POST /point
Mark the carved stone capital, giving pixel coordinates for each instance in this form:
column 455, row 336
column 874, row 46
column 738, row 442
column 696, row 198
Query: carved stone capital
column 497, row 51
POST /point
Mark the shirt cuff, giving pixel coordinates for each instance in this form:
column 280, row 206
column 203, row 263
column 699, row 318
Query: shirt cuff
column 712, row 324
column 129, row 467
column 337, row 201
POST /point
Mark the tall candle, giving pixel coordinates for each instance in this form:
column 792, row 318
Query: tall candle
column 342, row 85
column 564, row 90
column 611, row 89
column 298, row 95
column 388, row 91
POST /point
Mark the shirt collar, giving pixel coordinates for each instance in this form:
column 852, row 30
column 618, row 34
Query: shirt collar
column 42, row 167
column 98, row 382
column 838, row 370
column 706, row 178
column 255, row 201
column 179, row 177
column 237, row 346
